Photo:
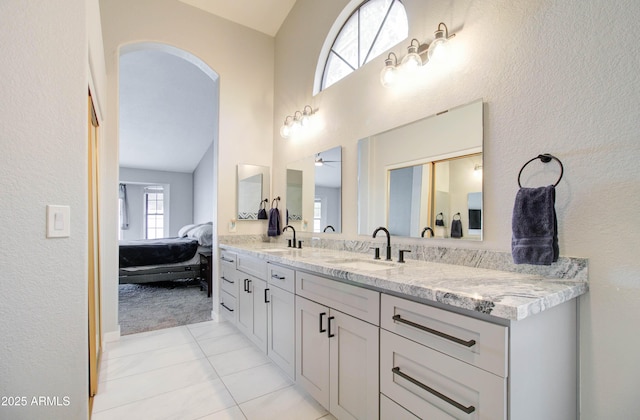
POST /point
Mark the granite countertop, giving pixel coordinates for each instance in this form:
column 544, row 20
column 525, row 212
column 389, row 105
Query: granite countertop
column 507, row 295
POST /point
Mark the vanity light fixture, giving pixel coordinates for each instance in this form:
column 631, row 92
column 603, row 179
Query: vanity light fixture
column 299, row 121
column 389, row 73
column 417, row 55
column 439, row 44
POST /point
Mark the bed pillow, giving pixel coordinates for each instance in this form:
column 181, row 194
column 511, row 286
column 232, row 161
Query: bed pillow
column 184, row 230
column 202, row 233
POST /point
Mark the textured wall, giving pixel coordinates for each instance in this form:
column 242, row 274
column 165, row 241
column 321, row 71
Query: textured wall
column 43, row 160
column 558, row 77
column 243, row 59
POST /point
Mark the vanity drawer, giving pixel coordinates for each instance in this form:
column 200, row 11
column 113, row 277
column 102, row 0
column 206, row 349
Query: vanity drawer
column 355, row 301
column 228, row 306
column 228, row 259
column 252, row 265
column 413, row 375
column 229, row 279
column 281, row 277
column 470, row 340
column 390, row 410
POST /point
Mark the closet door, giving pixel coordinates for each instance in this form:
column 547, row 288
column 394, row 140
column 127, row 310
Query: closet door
column 93, row 253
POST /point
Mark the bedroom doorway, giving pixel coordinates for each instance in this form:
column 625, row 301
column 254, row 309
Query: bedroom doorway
column 168, row 136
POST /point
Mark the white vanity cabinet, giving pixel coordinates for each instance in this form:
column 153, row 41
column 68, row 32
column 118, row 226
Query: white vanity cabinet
column 281, row 317
column 337, row 352
column 252, row 309
column 228, row 286
column 439, row 364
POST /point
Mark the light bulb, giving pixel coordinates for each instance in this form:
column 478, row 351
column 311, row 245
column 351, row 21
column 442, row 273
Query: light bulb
column 285, row 131
column 412, row 61
column 389, row 74
column 437, row 49
column 307, row 112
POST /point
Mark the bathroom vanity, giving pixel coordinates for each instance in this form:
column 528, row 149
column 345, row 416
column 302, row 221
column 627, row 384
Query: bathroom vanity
column 373, row 339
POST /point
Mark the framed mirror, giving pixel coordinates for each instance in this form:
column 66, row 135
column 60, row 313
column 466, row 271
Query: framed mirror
column 425, row 174
column 314, row 192
column 252, row 190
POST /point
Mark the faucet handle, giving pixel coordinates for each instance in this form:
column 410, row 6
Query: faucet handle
column 299, row 244
column 401, row 256
column 376, row 252
column 289, row 246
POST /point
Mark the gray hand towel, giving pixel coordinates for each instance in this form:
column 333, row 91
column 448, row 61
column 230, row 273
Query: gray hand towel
column 456, row 228
column 274, row 228
column 534, row 227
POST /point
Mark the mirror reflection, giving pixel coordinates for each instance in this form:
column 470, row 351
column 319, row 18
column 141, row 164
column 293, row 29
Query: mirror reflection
column 424, row 178
column 253, row 189
column 314, row 192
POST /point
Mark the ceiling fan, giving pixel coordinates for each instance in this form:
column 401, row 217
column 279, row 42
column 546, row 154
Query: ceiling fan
column 321, row 162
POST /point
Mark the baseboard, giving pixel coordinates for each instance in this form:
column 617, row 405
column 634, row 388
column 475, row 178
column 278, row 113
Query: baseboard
column 214, row 316
column 110, row 337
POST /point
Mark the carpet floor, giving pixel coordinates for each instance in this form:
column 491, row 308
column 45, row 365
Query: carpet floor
column 154, row 306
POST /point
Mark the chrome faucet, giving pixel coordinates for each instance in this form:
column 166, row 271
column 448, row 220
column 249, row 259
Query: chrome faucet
column 294, row 235
column 427, row 229
column 375, row 232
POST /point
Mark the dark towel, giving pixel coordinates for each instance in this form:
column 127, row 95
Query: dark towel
column 456, row 228
column 534, row 226
column 274, row 228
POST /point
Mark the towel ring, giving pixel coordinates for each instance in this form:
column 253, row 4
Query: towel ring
column 275, row 200
column 545, row 158
column 457, row 214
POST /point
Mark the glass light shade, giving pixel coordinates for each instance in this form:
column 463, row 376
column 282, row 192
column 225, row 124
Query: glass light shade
column 437, row 49
column 285, row 131
column 388, row 75
column 306, row 116
column 411, row 62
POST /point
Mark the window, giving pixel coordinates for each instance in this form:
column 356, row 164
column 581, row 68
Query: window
column 317, row 215
column 154, row 212
column 374, row 27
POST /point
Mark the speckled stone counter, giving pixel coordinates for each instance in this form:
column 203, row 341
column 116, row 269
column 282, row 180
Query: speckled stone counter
column 507, row 295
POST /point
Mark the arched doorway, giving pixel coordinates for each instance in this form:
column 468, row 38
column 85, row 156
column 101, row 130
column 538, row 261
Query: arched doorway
column 168, row 133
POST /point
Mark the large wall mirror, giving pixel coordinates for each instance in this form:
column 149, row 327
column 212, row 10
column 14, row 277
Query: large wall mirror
column 253, row 189
column 314, row 192
column 425, row 174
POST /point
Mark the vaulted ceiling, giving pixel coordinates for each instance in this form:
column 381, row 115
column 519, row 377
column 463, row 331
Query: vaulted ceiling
column 167, row 117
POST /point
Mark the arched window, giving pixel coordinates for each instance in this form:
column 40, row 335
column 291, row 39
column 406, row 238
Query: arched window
column 374, row 27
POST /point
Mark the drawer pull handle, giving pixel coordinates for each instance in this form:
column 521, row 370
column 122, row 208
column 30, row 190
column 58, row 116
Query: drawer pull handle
column 226, row 259
column 329, row 333
column 277, row 277
column 227, row 280
column 457, row 340
column 226, row 307
column 266, row 297
column 432, row 391
column 322, row 315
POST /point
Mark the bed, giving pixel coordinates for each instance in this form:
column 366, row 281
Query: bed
column 153, row 260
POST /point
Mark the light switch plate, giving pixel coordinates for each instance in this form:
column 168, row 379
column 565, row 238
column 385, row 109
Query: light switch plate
column 58, row 221
column 232, row 225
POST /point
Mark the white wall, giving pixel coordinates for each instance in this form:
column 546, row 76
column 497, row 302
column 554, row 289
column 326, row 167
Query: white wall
column 245, row 102
column 179, row 196
column 557, row 77
column 203, row 178
column 43, row 160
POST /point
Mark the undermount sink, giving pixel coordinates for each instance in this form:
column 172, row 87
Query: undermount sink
column 357, row 264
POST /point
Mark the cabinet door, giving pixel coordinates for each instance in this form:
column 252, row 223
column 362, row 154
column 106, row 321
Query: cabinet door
column 281, row 329
column 312, row 349
column 354, row 367
column 259, row 330
column 244, row 304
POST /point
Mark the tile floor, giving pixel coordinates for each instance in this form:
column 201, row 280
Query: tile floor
column 204, row 371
